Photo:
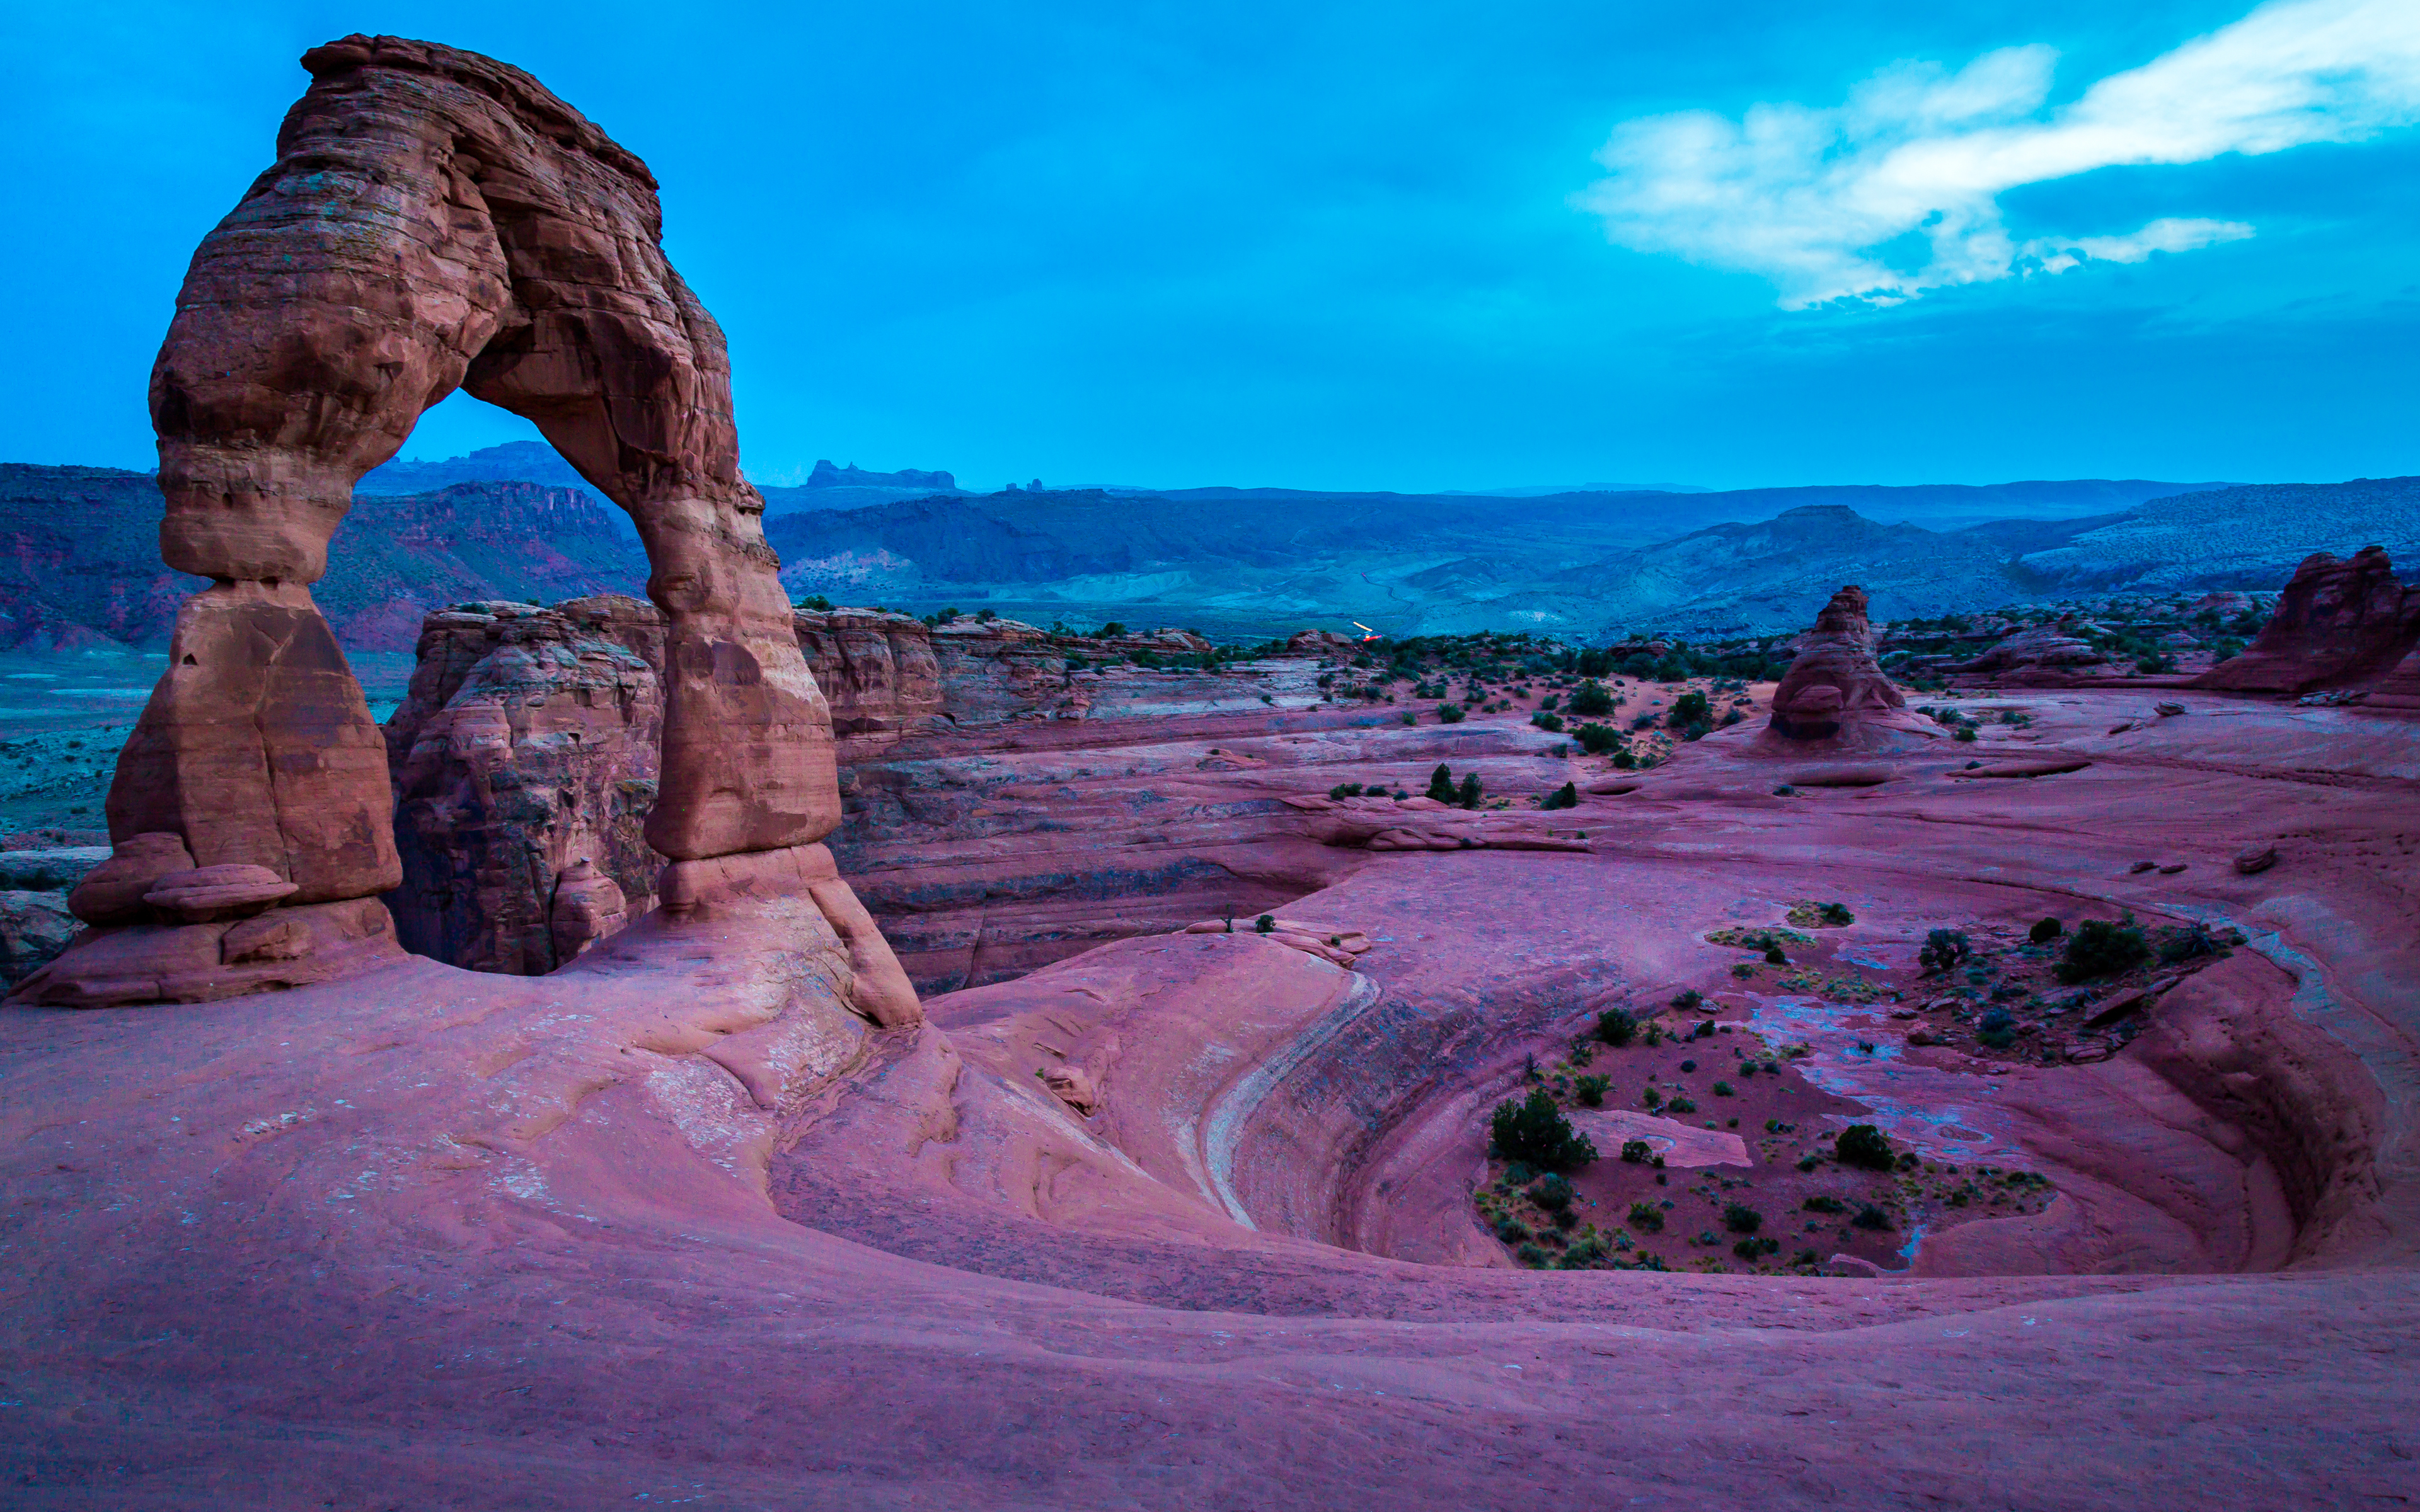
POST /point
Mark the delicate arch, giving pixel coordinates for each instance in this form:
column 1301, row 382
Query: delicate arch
column 438, row 219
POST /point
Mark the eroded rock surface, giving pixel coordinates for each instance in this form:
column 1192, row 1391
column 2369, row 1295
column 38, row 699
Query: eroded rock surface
column 2339, row 623
column 1835, row 691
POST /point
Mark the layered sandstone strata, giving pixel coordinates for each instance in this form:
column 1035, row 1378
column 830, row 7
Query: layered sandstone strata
column 2339, row 623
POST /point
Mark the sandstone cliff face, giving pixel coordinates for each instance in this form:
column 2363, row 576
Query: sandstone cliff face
column 527, row 744
column 525, row 747
column 2339, row 623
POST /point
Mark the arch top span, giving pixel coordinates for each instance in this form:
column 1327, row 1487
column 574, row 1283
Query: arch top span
column 437, row 220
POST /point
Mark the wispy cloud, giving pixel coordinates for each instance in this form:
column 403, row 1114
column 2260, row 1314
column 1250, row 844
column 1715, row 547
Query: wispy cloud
column 1896, row 191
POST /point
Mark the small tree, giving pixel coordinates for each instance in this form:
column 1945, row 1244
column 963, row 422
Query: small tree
column 1596, row 739
column 1441, row 783
column 1616, row 1027
column 1862, row 1145
column 1566, row 796
column 1591, row 700
column 1690, row 709
column 1470, row 789
column 2099, row 947
column 1535, row 1132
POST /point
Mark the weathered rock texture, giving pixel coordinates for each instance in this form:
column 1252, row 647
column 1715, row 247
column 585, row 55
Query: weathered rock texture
column 2339, row 623
column 2049, row 656
column 1834, row 691
column 437, row 220
column 527, row 743
column 525, row 747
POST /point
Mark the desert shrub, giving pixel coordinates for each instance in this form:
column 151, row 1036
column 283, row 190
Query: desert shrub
column 1741, row 1219
column 2101, row 948
column 1723, row 1089
column 1965, row 732
column 1824, row 1204
column 1266, row 924
column 1869, row 1216
column 1534, row 1131
column 1647, row 1217
column 1774, row 956
column 1837, row 915
column 1688, row 1066
column 1470, row 789
column 814, row 601
column 1531, row 1256
column 1623, row 761
column 1596, row 739
column 1591, row 1090
column 1690, row 997
column 1345, row 790
column 1943, row 949
column 1441, row 785
column 1551, row 1193
column 1511, row 1230
column 1407, row 716
column 1551, row 723
column 2046, row 930
column 1584, row 1254
column 1594, row 662
column 1566, row 796
column 2188, row 942
column 1637, row 1151
column 1750, row 1249
column 1449, row 714
column 1589, row 700
column 1998, row 1028
column 1862, row 1145
column 1680, row 1106
column 1616, row 1027
column 1689, row 709
column 1743, row 969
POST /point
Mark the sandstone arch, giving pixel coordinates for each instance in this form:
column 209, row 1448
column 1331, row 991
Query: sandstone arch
column 437, row 220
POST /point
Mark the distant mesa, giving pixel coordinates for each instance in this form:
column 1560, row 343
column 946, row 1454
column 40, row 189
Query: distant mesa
column 852, row 476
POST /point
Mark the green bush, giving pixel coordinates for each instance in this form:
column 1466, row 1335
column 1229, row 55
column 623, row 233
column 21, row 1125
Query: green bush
column 1552, row 1193
column 1589, row 700
column 1266, row 924
column 1837, row 915
column 1689, row 997
column 2046, row 930
column 1750, row 1249
column 1596, row 739
column 1998, row 1029
column 2099, row 947
column 1449, row 714
column 1723, row 1089
column 1616, row 1027
column 1680, row 1106
column 1863, row 1146
column 1742, row 1219
column 1531, row 1256
column 1869, row 1216
column 1774, row 956
column 1637, row 1152
column 1647, row 1217
column 1551, row 723
column 1943, row 949
column 1591, row 1090
column 1622, row 759
column 1566, row 796
column 1441, row 785
column 1345, row 790
column 1470, row 791
column 1689, row 709
column 1535, row 1131
column 1511, row 1230
column 1824, row 1204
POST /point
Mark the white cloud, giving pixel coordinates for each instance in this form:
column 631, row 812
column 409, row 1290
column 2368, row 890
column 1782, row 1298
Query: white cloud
column 1896, row 191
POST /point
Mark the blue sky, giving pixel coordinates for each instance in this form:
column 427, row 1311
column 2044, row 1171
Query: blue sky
column 1383, row 245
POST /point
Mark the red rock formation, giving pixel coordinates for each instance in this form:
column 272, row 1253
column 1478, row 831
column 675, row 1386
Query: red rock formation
column 436, row 219
column 1835, row 691
column 2045, row 656
column 2338, row 624
column 524, row 747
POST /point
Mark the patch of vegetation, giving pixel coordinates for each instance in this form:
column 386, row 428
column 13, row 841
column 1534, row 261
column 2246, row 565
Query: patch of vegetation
column 1821, row 916
column 1680, row 1106
column 2046, row 930
column 1566, row 796
column 1637, row 1152
column 1647, row 1217
column 1590, row 1090
column 1863, row 1146
column 1742, row 1219
column 1589, row 700
column 1943, row 949
column 1535, row 1132
column 1998, row 1029
column 1441, row 785
column 1616, row 1027
column 1757, row 939
column 1869, row 1216
column 1690, row 997
column 1825, row 1204
column 1266, row 924
column 2101, row 948
column 1551, row 723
